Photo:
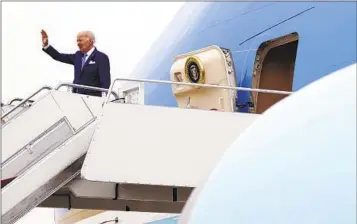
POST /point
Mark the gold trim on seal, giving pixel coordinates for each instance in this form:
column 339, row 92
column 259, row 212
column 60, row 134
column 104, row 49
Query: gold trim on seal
column 195, row 63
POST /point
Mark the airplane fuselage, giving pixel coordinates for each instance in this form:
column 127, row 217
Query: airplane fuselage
column 326, row 40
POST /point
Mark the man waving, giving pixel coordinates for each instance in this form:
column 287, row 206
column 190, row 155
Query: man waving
column 91, row 67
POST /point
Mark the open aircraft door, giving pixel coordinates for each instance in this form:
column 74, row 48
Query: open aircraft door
column 211, row 65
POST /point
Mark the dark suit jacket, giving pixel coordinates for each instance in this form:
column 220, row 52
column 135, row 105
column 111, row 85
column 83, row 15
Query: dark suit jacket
column 95, row 74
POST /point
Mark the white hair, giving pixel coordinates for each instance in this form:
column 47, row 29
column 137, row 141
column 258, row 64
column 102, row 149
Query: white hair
column 88, row 34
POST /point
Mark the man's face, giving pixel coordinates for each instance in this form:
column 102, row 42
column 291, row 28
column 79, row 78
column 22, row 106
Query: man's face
column 84, row 43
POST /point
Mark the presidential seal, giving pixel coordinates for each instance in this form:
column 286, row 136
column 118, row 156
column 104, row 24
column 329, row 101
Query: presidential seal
column 194, row 70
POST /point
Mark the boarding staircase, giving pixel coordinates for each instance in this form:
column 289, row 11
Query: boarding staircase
column 68, row 150
column 42, row 145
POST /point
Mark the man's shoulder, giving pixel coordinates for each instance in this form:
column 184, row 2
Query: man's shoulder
column 101, row 54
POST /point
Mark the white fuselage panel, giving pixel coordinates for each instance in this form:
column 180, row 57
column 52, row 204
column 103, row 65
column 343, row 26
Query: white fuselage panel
column 160, row 145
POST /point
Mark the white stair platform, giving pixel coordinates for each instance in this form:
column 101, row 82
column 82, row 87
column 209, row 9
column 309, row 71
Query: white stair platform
column 152, row 145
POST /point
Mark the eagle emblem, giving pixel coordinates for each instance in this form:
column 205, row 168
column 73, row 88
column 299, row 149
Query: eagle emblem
column 194, row 70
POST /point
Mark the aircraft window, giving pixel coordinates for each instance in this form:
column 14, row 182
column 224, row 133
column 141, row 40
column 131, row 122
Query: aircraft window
column 274, row 69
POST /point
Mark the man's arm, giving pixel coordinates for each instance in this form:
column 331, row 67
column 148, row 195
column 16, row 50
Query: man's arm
column 65, row 58
column 104, row 72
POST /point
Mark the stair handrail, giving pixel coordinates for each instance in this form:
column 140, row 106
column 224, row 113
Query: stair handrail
column 26, row 100
column 199, row 85
column 87, row 87
column 18, row 99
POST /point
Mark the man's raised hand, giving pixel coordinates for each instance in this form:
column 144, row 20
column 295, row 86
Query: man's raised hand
column 44, row 38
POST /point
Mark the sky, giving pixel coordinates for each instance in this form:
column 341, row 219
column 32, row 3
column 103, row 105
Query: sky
column 123, row 30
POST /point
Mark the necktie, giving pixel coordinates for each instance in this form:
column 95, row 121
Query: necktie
column 84, row 60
